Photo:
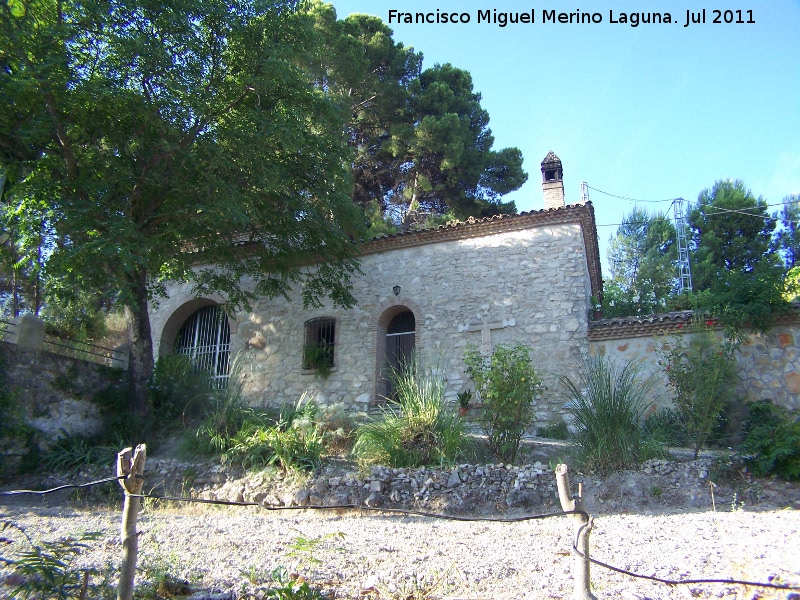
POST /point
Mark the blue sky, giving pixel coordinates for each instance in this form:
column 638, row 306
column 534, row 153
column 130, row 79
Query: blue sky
column 651, row 112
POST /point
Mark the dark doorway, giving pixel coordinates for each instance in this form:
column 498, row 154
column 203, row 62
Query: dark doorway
column 399, row 346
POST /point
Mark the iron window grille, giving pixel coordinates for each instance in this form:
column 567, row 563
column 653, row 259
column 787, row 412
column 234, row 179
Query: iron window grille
column 320, row 341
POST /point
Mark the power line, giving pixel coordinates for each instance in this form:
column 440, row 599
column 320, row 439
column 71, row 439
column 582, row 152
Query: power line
column 631, row 199
column 718, row 211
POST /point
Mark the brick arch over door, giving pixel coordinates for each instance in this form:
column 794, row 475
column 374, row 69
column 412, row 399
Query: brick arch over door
column 379, row 323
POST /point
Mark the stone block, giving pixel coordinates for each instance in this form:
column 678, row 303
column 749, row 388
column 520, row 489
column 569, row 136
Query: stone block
column 793, row 382
column 29, row 332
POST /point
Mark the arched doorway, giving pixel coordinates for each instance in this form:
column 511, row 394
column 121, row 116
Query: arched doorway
column 400, row 341
column 205, row 337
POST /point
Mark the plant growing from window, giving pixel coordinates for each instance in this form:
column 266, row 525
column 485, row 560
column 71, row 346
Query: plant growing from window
column 508, row 384
column 701, row 370
column 318, row 357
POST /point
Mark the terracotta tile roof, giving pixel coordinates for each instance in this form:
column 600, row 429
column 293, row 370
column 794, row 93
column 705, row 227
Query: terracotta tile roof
column 638, row 326
column 664, row 323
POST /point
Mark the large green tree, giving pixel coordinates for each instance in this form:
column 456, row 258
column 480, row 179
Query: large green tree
column 734, row 264
column 420, row 139
column 788, row 237
column 173, row 134
column 642, row 255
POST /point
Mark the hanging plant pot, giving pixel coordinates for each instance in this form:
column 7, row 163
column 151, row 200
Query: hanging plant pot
column 463, row 410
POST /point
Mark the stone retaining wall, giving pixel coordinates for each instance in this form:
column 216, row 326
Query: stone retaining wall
column 474, row 489
column 52, row 395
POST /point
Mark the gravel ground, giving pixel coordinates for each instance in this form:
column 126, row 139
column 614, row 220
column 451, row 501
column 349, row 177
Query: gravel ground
column 233, row 550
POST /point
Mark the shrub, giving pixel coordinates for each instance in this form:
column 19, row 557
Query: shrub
column 179, row 389
column 554, row 431
column 424, row 431
column 48, row 569
column 701, row 372
column 666, row 425
column 294, row 442
column 72, row 453
column 773, row 440
column 607, row 404
column 225, row 415
column 338, row 425
column 508, row 384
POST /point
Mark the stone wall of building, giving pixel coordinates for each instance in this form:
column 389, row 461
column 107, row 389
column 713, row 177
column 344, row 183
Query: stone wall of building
column 769, row 363
column 531, row 284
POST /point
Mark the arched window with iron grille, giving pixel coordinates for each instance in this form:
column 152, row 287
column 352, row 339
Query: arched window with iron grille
column 205, row 337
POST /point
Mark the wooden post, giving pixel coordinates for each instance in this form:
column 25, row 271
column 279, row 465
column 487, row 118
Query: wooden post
column 582, row 527
column 130, row 465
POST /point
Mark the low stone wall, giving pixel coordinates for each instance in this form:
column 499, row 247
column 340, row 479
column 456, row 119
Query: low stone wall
column 769, row 363
column 475, row 489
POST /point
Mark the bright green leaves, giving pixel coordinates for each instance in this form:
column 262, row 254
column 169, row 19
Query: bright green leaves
column 153, row 128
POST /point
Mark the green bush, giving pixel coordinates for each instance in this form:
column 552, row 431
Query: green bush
column 607, row 404
column 773, row 440
column 508, row 385
column 424, row 430
column 666, row 425
column 554, row 431
column 72, row 453
column 294, row 442
column 702, row 374
column 178, row 389
column 226, row 414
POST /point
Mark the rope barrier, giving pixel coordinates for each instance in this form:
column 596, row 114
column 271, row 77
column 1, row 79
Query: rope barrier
column 360, row 507
column 415, row 513
column 62, row 487
column 673, row 582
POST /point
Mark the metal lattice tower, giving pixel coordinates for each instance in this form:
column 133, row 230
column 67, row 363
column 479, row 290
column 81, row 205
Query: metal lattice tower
column 684, row 271
column 584, row 192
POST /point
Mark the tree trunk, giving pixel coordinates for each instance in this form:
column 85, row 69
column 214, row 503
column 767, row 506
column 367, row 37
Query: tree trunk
column 140, row 349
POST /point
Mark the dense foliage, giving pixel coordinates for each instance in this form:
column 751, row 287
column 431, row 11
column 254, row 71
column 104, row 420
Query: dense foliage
column 607, row 404
column 420, row 429
column 642, row 257
column 773, row 440
column 508, row 385
column 421, row 141
column 734, row 264
column 152, row 128
column 740, row 259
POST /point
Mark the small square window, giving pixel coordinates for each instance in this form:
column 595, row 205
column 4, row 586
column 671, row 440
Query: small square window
column 320, row 341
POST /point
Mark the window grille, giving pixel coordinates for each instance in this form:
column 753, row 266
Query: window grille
column 205, row 338
column 318, row 350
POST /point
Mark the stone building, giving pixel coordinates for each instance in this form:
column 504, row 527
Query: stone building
column 524, row 278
